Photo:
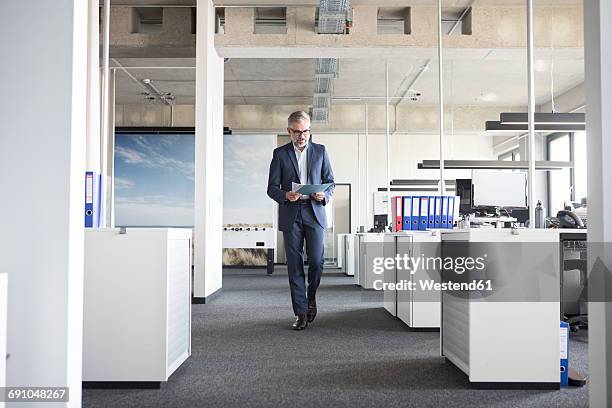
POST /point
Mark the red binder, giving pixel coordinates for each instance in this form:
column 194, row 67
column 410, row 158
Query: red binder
column 396, row 211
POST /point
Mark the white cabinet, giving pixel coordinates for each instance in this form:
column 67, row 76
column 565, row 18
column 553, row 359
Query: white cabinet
column 3, row 330
column 419, row 308
column 499, row 338
column 367, row 247
column 137, row 304
column 349, row 255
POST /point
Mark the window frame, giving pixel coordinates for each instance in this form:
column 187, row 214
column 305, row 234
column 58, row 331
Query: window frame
column 572, row 176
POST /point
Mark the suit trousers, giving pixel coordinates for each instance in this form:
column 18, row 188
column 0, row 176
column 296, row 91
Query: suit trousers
column 305, row 228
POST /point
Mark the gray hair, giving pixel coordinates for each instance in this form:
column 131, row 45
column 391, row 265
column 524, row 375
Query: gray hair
column 298, row 116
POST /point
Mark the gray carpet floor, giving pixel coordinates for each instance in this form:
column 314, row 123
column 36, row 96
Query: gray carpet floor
column 354, row 355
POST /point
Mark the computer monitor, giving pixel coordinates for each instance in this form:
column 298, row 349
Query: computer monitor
column 463, row 189
column 497, row 188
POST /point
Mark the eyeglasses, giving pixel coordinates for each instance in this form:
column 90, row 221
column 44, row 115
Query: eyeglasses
column 300, row 133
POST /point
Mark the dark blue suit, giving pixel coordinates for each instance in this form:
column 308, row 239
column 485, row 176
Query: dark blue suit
column 303, row 220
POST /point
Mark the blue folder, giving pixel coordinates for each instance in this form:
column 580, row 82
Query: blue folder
column 406, row 213
column 444, row 213
column 432, row 212
column 415, row 213
column 564, row 355
column 92, row 199
column 451, row 212
column 424, row 213
column 438, row 212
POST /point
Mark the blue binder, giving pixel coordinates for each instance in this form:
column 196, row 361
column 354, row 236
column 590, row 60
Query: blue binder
column 438, row 212
column 424, row 213
column 444, row 213
column 451, row 212
column 406, row 213
column 432, row 212
column 92, row 199
column 564, row 355
column 415, row 213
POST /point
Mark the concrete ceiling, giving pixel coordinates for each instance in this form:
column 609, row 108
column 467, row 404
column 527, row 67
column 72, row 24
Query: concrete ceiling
column 492, row 81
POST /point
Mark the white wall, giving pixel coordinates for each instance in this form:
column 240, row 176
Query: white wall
column 42, row 165
column 406, row 152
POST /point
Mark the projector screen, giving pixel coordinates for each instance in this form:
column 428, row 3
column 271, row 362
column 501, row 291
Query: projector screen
column 497, row 188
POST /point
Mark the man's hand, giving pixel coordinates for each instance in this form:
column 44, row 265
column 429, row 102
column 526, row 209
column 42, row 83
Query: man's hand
column 318, row 196
column 292, row 196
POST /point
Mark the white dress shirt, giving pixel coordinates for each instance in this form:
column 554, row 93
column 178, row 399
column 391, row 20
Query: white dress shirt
column 302, row 159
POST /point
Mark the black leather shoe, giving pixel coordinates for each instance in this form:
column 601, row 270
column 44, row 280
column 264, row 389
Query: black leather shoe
column 300, row 323
column 312, row 310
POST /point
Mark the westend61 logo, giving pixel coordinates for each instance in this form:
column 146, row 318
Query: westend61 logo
column 431, row 263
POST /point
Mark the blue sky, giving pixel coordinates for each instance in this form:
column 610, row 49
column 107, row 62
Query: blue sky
column 154, row 177
column 246, row 160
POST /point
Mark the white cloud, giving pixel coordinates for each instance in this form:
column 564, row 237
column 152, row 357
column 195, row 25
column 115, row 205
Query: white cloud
column 123, row 183
column 152, row 157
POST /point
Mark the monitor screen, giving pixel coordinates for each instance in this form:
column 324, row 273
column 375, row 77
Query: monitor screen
column 497, row 188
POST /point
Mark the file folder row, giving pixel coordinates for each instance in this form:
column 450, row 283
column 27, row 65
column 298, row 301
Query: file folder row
column 420, row 213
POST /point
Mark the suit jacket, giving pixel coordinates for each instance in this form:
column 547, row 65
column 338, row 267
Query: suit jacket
column 284, row 170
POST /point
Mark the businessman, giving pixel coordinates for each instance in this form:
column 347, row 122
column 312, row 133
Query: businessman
column 301, row 217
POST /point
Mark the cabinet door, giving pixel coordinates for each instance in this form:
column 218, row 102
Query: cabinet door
column 179, row 302
column 404, row 297
column 426, row 303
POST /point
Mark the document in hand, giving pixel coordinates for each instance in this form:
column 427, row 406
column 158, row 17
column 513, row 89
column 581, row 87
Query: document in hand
column 307, row 189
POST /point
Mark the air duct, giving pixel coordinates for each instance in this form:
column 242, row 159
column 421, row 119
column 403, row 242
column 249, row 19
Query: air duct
column 333, row 16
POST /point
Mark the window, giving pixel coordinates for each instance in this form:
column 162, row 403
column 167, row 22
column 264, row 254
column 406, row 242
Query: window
column 580, row 166
column 559, row 181
column 568, row 185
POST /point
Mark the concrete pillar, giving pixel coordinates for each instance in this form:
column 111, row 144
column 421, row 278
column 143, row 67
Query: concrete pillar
column 208, row 157
column 598, row 86
column 42, row 162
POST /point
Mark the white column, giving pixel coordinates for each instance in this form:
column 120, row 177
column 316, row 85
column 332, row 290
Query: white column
column 208, row 156
column 598, row 86
column 93, row 88
column 42, row 162
column 531, row 188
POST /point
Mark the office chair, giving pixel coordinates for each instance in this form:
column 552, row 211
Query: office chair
column 578, row 316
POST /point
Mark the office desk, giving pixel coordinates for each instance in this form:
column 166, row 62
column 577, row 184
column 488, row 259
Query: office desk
column 3, row 329
column 496, row 340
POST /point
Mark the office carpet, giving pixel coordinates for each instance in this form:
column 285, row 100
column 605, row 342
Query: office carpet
column 354, row 355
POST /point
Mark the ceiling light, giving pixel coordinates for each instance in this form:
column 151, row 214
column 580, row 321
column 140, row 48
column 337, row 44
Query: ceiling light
column 498, row 127
column 494, row 164
column 545, row 118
